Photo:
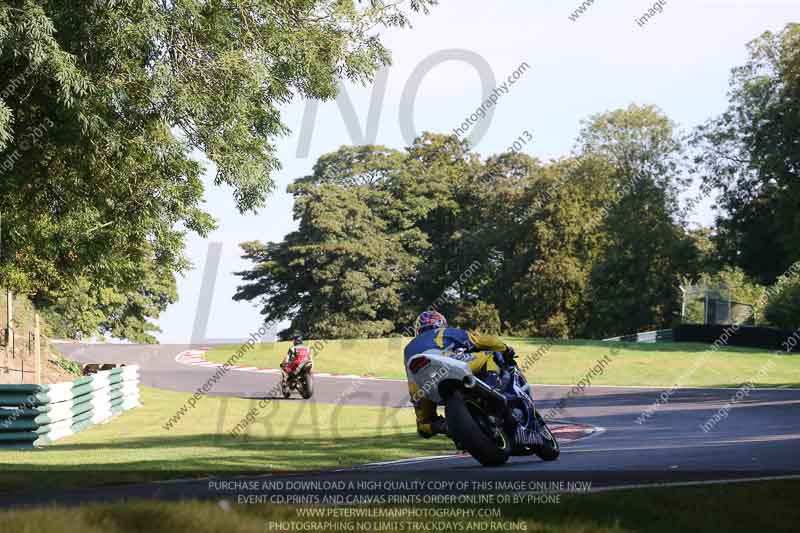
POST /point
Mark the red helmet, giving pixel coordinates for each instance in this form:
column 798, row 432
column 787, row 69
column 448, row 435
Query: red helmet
column 429, row 320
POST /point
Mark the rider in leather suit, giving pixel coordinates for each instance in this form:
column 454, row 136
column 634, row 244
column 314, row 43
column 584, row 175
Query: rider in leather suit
column 432, row 333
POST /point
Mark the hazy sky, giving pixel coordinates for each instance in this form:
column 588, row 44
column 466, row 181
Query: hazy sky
column 680, row 61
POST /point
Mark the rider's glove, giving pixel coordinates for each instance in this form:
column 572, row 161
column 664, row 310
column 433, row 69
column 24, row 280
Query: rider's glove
column 509, row 353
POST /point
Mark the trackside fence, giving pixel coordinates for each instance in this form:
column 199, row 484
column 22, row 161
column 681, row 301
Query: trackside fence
column 36, row 415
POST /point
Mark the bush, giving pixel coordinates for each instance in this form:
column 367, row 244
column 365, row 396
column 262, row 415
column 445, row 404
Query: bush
column 783, row 309
column 65, row 364
column 480, row 316
column 555, row 327
column 525, row 328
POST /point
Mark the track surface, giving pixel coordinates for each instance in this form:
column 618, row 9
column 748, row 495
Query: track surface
column 759, row 437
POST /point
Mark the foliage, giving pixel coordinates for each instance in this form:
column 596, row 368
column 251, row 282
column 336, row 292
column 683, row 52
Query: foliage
column 94, row 306
column 635, row 283
column 69, row 366
column 479, row 316
column 708, row 259
column 342, row 273
column 783, row 309
column 555, row 327
column 742, row 290
column 384, row 234
column 552, row 244
column 750, row 159
column 103, row 105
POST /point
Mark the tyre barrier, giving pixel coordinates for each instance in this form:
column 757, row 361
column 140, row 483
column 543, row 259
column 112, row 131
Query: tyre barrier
column 36, row 415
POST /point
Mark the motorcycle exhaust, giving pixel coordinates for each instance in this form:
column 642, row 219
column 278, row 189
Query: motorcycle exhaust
column 471, row 382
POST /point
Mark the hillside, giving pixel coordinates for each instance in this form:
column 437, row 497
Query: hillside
column 19, row 366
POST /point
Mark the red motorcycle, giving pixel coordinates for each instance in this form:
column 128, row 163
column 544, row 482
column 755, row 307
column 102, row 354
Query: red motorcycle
column 296, row 374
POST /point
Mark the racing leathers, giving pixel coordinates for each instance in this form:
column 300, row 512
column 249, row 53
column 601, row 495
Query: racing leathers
column 296, row 355
column 449, row 340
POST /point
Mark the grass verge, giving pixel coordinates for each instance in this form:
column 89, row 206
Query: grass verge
column 744, row 507
column 564, row 362
column 287, row 435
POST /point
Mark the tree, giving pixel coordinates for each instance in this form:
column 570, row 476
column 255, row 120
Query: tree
column 783, row 308
column 636, row 280
column 537, row 248
column 750, row 158
column 549, row 243
column 123, row 306
column 480, row 316
column 708, row 256
column 342, row 273
column 106, row 103
column 446, row 170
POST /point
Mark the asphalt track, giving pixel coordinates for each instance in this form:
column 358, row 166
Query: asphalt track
column 759, row 438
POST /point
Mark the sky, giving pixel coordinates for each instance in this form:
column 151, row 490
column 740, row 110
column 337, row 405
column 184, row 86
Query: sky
column 679, row 60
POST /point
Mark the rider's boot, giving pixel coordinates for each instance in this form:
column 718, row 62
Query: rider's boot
column 439, row 426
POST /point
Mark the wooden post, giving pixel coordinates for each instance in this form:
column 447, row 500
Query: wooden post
column 10, row 321
column 5, row 349
column 37, row 348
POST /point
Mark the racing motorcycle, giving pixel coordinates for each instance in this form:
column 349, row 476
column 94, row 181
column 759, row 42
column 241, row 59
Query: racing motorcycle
column 491, row 424
column 296, row 375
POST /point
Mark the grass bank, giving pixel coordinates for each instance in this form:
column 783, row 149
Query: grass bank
column 287, row 435
column 565, row 362
column 744, row 507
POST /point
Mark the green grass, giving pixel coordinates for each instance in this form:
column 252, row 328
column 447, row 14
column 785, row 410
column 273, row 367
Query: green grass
column 288, row 435
column 744, row 507
column 566, row 362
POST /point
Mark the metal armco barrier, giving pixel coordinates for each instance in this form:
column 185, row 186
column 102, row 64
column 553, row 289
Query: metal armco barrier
column 36, row 415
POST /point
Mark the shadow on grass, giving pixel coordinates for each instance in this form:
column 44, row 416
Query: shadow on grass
column 740, row 507
column 200, row 455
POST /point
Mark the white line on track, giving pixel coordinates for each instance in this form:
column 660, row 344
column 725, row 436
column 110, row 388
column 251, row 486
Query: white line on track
column 691, row 483
column 398, row 461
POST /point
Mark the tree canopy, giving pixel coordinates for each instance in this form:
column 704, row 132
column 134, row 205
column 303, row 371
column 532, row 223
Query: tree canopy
column 104, row 104
column 506, row 243
column 750, row 159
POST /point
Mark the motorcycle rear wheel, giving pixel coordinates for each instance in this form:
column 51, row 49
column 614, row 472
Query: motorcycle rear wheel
column 471, row 429
column 307, row 386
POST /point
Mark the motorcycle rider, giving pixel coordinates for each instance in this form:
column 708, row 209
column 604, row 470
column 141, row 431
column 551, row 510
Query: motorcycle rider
column 432, row 333
column 298, row 349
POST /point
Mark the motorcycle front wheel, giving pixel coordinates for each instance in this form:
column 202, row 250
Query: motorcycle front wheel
column 285, row 389
column 549, row 450
column 470, row 427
